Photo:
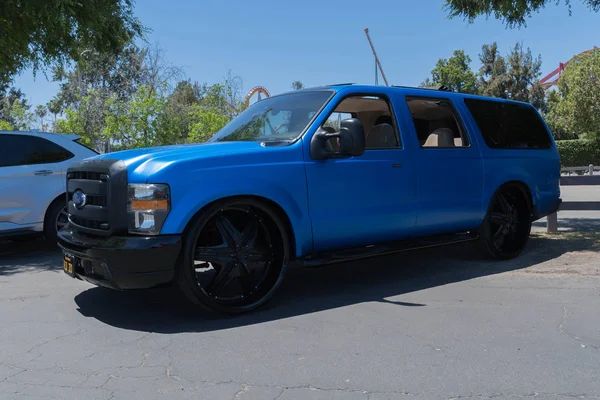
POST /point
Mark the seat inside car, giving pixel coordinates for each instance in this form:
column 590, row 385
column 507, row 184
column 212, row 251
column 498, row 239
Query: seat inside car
column 382, row 134
column 442, row 137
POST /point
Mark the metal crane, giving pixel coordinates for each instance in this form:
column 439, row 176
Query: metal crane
column 377, row 63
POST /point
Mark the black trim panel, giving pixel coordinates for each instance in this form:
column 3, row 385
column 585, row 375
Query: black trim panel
column 106, row 181
column 122, row 262
column 382, row 249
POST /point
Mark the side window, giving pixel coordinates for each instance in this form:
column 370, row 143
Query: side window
column 437, row 123
column 335, row 119
column 376, row 116
column 28, row 150
column 509, row 125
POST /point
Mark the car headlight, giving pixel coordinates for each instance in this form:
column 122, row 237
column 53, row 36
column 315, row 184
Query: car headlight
column 148, row 206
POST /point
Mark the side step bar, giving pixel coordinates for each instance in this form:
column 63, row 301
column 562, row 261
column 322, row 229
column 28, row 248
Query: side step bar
column 383, row 249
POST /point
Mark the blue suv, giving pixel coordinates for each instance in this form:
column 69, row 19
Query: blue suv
column 316, row 176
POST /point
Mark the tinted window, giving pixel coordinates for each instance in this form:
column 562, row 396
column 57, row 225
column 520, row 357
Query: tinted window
column 509, row 125
column 27, row 150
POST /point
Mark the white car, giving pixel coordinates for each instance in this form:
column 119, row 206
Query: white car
column 32, row 181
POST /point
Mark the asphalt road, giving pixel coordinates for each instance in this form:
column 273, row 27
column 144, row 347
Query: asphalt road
column 436, row 324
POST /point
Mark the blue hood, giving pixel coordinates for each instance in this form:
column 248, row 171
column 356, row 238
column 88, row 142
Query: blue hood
column 146, row 161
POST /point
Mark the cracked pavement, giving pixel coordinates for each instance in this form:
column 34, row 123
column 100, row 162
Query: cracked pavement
column 434, row 324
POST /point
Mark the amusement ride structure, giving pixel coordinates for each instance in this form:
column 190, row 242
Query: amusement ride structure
column 257, row 90
column 548, row 83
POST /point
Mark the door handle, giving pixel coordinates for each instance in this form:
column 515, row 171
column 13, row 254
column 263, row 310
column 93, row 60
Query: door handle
column 43, row 172
column 396, row 165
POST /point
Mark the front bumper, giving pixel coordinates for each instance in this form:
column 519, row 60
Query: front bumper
column 121, row 262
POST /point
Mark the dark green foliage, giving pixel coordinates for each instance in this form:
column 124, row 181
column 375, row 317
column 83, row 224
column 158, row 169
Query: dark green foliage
column 8, row 95
column 455, row 73
column 512, row 12
column 578, row 153
column 514, row 77
column 36, row 33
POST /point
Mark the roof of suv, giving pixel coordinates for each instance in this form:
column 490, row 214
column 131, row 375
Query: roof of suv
column 441, row 90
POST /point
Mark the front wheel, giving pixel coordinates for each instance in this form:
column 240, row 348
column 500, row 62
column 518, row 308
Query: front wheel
column 235, row 255
column 507, row 225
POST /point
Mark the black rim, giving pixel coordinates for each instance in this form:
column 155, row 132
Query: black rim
column 508, row 223
column 62, row 219
column 237, row 261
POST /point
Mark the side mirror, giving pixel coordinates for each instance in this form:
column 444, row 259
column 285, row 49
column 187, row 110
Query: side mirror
column 351, row 141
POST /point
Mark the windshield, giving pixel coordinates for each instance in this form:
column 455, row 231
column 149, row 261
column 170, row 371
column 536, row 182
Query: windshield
column 279, row 118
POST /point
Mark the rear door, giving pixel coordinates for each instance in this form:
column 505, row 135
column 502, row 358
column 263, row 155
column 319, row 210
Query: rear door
column 448, row 164
column 28, row 182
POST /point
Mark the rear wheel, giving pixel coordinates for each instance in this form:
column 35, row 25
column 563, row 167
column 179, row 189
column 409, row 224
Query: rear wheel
column 507, row 225
column 235, row 256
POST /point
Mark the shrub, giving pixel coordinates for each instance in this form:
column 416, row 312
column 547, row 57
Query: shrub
column 578, row 153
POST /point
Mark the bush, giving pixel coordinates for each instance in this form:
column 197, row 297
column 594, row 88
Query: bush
column 578, row 153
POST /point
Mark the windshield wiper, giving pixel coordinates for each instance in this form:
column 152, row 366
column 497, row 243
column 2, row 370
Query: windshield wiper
column 274, row 140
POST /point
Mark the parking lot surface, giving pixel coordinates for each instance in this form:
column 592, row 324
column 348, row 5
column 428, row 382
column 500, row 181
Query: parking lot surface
column 433, row 324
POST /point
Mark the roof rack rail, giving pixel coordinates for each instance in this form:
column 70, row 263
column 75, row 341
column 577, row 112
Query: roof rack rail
column 341, row 84
column 440, row 88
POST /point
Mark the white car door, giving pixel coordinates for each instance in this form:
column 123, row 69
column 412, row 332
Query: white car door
column 29, row 180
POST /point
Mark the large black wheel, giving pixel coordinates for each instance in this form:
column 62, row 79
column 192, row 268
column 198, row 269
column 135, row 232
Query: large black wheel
column 234, row 258
column 507, row 225
column 56, row 218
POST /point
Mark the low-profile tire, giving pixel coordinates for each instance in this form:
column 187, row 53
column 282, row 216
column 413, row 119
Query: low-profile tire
column 505, row 230
column 56, row 217
column 234, row 257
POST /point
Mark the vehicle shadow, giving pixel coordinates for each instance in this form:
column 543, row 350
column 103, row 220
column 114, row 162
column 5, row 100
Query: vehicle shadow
column 31, row 255
column 312, row 290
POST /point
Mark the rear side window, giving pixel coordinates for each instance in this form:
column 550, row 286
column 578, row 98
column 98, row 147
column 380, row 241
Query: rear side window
column 508, row 125
column 28, row 150
column 78, row 141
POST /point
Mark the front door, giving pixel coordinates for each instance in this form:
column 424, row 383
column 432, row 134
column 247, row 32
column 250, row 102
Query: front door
column 364, row 199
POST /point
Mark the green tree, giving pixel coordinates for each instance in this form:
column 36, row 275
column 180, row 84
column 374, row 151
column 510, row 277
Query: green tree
column 455, row 73
column 15, row 115
column 41, row 111
column 8, row 96
column 54, row 108
column 22, row 117
column 556, row 122
column 176, row 117
column 512, row 12
column 5, row 126
column 515, row 77
column 53, row 32
column 206, row 123
column 100, row 87
column 297, row 85
column 576, row 108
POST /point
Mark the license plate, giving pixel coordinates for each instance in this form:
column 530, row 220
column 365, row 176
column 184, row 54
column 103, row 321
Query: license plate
column 68, row 266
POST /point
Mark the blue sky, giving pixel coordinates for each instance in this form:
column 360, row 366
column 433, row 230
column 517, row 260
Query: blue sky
column 272, row 43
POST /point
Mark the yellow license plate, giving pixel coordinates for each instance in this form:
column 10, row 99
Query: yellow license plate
column 68, row 265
